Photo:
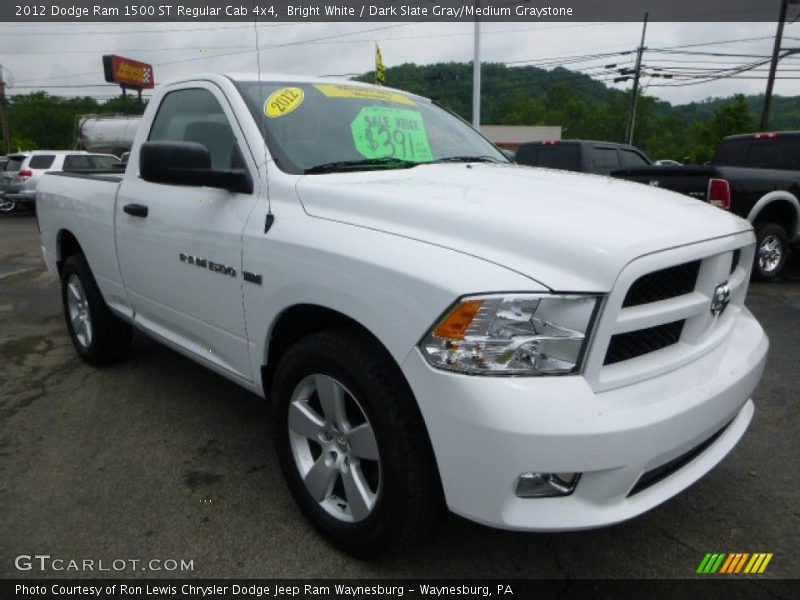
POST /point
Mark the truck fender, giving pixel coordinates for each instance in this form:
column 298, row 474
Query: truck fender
column 771, row 197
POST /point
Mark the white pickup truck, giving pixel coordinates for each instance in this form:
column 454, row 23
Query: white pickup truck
column 534, row 349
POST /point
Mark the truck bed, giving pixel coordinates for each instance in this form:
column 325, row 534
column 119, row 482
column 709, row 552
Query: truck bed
column 692, row 181
column 82, row 203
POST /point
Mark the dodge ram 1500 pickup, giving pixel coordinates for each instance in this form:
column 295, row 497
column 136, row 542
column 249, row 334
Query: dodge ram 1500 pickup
column 533, row 349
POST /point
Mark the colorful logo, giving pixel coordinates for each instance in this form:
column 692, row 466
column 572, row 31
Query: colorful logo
column 734, row 563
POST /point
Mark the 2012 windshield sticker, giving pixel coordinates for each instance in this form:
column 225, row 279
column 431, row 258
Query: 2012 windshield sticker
column 284, row 101
column 380, row 132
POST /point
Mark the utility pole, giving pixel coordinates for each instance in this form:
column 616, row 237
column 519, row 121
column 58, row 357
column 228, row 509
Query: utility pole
column 476, row 77
column 635, row 92
column 4, row 114
column 773, row 66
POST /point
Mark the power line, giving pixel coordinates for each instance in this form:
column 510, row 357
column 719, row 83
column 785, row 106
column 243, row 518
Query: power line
column 692, row 53
column 718, row 42
column 260, row 49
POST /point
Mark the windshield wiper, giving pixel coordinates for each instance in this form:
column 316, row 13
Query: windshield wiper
column 368, row 163
column 482, row 158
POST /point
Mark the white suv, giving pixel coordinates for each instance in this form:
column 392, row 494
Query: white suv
column 22, row 172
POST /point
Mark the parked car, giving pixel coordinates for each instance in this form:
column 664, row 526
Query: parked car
column 581, row 155
column 23, row 171
column 755, row 176
column 536, row 349
column 9, row 172
column 666, row 162
column 3, row 163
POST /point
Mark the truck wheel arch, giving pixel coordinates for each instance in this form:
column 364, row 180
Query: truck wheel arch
column 778, row 207
column 301, row 320
column 67, row 245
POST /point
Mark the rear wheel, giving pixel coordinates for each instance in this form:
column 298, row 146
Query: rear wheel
column 99, row 336
column 7, row 206
column 772, row 250
column 352, row 445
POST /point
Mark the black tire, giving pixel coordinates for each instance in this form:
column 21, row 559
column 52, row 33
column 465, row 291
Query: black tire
column 770, row 237
column 110, row 336
column 409, row 497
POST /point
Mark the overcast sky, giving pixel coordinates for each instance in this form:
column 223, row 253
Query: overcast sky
column 42, row 56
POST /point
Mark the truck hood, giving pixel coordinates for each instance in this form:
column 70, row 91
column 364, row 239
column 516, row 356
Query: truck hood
column 567, row 231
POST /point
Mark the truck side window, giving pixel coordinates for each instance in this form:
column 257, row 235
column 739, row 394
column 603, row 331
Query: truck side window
column 632, row 159
column 560, row 156
column 194, row 115
column 605, row 159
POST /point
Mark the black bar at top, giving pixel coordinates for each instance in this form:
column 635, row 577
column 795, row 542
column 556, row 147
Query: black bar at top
column 276, row 11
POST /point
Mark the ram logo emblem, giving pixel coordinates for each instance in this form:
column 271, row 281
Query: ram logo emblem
column 720, row 299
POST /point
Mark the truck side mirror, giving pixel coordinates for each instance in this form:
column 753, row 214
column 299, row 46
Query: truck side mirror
column 188, row 163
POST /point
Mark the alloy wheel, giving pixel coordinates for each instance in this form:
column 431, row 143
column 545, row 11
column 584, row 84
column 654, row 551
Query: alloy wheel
column 770, row 253
column 79, row 315
column 334, row 448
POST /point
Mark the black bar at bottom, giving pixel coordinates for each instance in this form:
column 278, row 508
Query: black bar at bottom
column 730, row 587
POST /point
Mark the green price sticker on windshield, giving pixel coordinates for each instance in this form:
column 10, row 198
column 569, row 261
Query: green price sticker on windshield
column 380, row 132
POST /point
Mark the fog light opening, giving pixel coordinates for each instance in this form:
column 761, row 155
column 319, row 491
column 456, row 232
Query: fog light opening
column 546, row 485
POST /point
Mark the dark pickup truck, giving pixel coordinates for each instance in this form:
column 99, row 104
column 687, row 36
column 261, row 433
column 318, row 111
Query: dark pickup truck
column 756, row 176
column 582, row 156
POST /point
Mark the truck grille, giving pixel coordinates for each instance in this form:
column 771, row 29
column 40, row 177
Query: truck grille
column 662, row 303
column 663, row 284
column 625, row 346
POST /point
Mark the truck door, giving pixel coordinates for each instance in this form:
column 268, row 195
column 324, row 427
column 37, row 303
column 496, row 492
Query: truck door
column 180, row 247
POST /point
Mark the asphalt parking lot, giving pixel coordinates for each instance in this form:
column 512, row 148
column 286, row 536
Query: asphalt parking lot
column 158, row 458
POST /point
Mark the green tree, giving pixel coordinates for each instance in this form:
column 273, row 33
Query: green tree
column 39, row 121
column 726, row 119
column 45, row 121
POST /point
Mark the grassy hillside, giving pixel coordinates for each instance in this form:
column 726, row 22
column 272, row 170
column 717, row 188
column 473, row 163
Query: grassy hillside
column 589, row 109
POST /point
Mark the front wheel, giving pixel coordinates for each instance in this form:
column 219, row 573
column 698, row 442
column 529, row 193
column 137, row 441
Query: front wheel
column 99, row 336
column 772, row 250
column 352, row 445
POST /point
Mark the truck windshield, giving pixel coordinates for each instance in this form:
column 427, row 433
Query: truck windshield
column 318, row 128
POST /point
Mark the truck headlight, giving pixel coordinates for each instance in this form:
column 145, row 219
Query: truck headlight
column 512, row 334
